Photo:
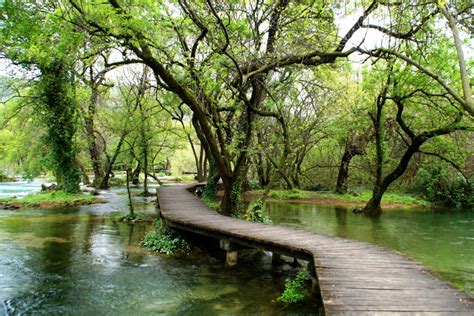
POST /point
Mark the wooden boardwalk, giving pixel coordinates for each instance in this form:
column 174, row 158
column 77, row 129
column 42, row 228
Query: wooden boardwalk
column 355, row 278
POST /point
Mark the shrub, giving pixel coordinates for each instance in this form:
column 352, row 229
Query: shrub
column 255, row 212
column 165, row 241
column 211, row 203
column 117, row 182
column 295, row 290
column 435, row 186
column 293, row 194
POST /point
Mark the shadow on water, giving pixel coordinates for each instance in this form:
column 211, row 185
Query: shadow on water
column 85, row 261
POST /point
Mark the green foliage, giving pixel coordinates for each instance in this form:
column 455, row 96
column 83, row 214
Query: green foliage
column 211, row 203
column 58, row 112
column 165, row 241
column 293, row 194
column 212, row 178
column 5, row 178
column 436, row 186
column 117, row 182
column 391, row 197
column 255, row 212
column 54, row 197
column 236, row 199
column 136, row 218
column 296, row 289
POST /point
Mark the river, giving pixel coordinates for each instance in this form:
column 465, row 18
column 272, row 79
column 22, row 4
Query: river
column 83, row 261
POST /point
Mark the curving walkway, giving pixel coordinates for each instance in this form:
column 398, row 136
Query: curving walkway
column 354, row 277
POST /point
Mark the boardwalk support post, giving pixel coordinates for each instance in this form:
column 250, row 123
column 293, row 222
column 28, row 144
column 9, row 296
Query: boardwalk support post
column 314, row 278
column 231, row 252
column 276, row 258
column 231, row 258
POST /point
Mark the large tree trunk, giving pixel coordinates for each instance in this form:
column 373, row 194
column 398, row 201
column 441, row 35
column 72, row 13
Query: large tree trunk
column 94, row 151
column 111, row 162
column 343, row 175
column 232, row 201
column 350, row 151
column 201, row 166
column 85, row 176
column 136, row 174
column 263, row 167
column 212, row 181
column 373, row 208
column 60, row 111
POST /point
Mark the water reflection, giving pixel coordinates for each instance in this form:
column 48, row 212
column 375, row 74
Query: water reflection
column 441, row 239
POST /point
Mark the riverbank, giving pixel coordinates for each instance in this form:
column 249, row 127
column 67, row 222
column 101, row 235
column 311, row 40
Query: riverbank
column 390, row 200
column 49, row 200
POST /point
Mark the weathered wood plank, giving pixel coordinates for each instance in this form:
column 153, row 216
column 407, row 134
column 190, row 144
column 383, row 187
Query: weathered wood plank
column 354, row 277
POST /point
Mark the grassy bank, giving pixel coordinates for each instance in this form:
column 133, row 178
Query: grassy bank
column 50, row 199
column 390, row 200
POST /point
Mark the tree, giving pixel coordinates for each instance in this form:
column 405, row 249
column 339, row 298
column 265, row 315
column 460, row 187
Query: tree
column 354, row 145
column 222, row 73
column 42, row 51
column 407, row 94
column 59, row 115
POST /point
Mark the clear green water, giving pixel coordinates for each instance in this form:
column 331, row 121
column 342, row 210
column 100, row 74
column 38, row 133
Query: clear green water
column 443, row 240
column 82, row 261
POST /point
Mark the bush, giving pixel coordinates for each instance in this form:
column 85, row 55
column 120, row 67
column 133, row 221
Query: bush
column 435, row 186
column 165, row 241
column 211, row 203
column 5, row 178
column 117, row 182
column 255, row 213
column 293, row 194
column 295, row 290
column 315, row 187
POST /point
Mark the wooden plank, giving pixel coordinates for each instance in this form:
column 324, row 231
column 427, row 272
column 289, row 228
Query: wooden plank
column 354, row 277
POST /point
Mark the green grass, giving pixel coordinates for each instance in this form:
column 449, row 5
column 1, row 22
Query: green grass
column 391, row 197
column 211, row 203
column 53, row 197
column 293, row 194
column 364, row 196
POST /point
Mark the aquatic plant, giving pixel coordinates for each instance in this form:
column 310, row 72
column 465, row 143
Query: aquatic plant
column 296, row 289
column 255, row 212
column 165, row 241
